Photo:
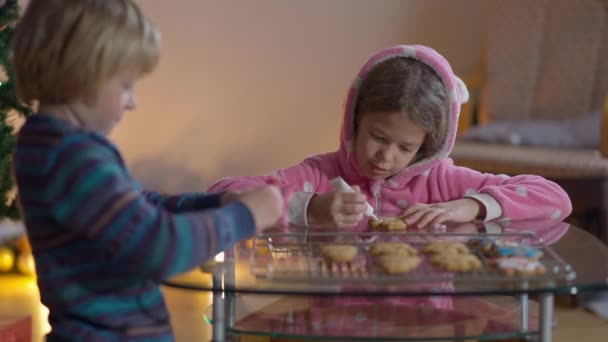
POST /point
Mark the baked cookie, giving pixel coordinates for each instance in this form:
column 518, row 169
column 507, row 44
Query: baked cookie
column 395, row 264
column 292, row 264
column 392, row 248
column 262, row 250
column 388, row 223
column 511, row 249
column 518, row 266
column 446, row 247
column 374, row 224
column 456, row 262
column 339, row 253
column 482, row 245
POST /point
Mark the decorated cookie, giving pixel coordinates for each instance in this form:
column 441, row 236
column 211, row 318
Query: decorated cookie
column 457, row 262
column 518, row 266
column 446, row 247
column 395, row 264
column 388, row 223
column 392, row 248
column 482, row 245
column 505, row 248
column 339, row 253
column 505, row 243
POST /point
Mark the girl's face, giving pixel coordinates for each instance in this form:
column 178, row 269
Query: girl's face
column 385, row 143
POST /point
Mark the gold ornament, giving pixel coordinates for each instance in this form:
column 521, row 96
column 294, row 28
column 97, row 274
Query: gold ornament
column 7, row 259
column 23, row 245
column 25, row 263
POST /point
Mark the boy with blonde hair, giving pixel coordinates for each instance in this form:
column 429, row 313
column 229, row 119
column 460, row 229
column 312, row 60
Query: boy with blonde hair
column 101, row 243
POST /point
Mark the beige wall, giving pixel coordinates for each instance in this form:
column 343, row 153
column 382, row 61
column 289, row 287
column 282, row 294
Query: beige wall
column 245, row 87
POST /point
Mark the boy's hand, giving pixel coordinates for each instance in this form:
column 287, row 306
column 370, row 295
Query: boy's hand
column 230, row 196
column 337, row 209
column 428, row 215
column 265, row 203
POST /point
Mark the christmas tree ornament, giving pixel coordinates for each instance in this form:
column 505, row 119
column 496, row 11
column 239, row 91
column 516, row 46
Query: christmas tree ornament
column 7, row 259
column 25, row 264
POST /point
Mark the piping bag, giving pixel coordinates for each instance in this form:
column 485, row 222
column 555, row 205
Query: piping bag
column 340, row 185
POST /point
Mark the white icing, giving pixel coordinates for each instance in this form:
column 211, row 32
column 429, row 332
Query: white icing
column 519, row 264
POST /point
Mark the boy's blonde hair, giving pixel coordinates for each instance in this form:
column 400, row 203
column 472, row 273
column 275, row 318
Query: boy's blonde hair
column 64, row 49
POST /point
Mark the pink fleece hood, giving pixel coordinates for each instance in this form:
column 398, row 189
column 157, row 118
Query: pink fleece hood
column 457, row 94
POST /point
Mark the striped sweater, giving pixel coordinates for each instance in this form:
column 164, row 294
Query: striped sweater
column 101, row 243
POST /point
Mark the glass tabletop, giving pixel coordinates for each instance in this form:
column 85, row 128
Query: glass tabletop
column 286, row 262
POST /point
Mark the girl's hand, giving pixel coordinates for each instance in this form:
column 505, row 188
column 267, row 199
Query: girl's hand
column 428, row 215
column 336, row 209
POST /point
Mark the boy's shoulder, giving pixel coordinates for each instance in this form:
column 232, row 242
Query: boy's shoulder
column 47, row 129
column 45, row 132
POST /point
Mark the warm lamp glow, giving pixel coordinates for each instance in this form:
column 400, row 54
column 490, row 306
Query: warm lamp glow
column 20, row 298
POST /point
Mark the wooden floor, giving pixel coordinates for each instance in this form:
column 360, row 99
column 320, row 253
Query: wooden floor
column 19, row 296
column 577, row 325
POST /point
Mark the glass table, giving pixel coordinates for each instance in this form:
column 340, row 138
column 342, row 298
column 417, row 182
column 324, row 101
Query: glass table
column 274, row 286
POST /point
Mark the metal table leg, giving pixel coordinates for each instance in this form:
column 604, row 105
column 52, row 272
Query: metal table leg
column 230, row 309
column 229, row 283
column 546, row 317
column 523, row 312
column 224, row 305
column 219, row 312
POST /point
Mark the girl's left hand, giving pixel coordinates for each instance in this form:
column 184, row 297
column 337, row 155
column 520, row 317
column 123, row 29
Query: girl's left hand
column 428, row 215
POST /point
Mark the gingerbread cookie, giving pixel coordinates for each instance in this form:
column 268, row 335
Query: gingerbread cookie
column 395, row 264
column 339, row 253
column 392, row 248
column 518, row 266
column 446, row 247
column 456, row 262
column 388, row 223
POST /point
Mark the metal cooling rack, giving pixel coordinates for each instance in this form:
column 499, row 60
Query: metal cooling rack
column 297, row 257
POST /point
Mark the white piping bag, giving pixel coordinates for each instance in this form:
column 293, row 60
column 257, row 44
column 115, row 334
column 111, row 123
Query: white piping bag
column 340, row 185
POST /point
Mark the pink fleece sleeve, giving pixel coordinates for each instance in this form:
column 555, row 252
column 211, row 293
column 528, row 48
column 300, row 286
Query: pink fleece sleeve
column 509, row 198
column 303, row 181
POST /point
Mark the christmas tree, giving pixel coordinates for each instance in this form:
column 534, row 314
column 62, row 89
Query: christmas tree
column 15, row 253
column 9, row 106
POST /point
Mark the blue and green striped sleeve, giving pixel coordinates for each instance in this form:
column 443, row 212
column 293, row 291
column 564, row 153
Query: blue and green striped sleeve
column 185, row 202
column 92, row 195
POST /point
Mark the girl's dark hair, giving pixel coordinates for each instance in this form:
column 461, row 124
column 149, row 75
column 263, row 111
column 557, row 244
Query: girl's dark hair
column 413, row 88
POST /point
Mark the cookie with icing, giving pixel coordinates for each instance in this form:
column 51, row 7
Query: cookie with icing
column 518, row 266
column 482, row 245
column 506, row 248
column 388, row 224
